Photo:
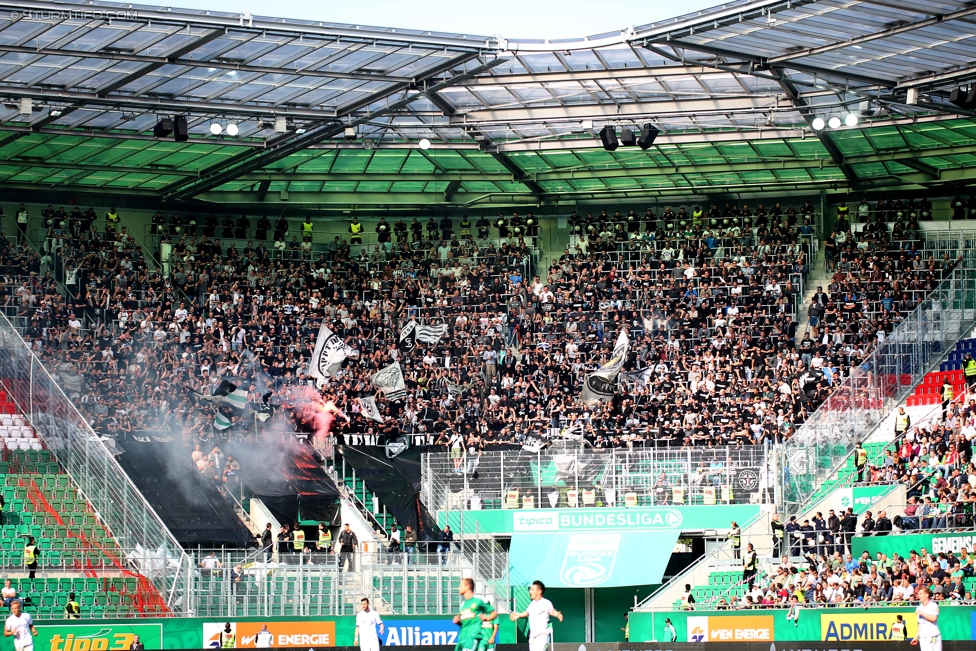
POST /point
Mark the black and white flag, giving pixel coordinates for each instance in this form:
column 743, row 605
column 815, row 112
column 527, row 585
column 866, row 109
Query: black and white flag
column 368, row 408
column 330, row 351
column 227, row 393
column 408, row 337
column 638, row 378
column 389, row 380
column 412, row 332
column 600, row 385
column 431, row 334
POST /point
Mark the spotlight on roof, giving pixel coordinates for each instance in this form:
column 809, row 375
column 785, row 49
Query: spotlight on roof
column 608, row 135
column 834, row 122
column 817, row 124
column 55, row 113
column 281, row 124
column 215, row 128
column 349, row 133
column 851, row 120
column 424, row 143
column 233, row 129
column 300, row 130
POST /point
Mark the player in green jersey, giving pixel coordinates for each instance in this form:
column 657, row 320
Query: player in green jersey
column 474, row 612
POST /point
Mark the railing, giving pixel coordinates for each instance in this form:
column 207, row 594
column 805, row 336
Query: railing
column 313, row 584
column 546, row 479
column 119, row 505
column 863, row 399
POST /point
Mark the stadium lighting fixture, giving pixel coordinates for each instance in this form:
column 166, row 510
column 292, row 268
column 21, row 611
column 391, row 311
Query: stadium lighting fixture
column 818, row 124
column 215, row 128
column 834, row 122
column 424, row 143
column 233, row 129
column 851, row 120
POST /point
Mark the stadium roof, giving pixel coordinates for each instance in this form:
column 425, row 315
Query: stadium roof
column 733, row 89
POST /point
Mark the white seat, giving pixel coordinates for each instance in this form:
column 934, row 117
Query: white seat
column 16, row 434
column 23, row 444
column 6, row 420
column 19, row 420
column 26, row 432
column 35, row 444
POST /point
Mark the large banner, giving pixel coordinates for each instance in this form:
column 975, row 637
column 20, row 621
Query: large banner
column 903, row 543
column 835, row 628
column 202, row 633
column 680, row 518
column 591, row 558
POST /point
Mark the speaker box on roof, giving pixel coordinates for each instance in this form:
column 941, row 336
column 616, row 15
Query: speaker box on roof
column 608, row 135
column 647, row 136
column 181, row 132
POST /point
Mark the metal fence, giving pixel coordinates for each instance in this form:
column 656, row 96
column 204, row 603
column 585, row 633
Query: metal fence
column 592, row 478
column 878, row 385
column 116, row 501
column 233, row 584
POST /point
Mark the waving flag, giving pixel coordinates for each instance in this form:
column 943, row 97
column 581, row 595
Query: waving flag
column 600, row 385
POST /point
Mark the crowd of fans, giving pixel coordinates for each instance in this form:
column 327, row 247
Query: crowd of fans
column 710, row 300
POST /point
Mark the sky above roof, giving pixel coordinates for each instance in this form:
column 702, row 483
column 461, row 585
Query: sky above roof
column 513, row 19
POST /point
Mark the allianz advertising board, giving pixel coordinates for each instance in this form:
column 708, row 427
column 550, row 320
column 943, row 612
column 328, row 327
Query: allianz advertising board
column 419, row 632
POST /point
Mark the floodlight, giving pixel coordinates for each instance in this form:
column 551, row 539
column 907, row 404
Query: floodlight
column 834, row 122
column 215, row 128
column 818, row 124
column 424, row 143
column 233, row 129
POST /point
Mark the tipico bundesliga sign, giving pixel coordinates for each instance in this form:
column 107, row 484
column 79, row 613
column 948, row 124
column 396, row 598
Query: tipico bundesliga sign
column 685, row 518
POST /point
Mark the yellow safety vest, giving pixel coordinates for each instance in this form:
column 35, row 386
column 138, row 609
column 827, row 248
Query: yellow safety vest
column 299, row 538
column 73, row 610
column 897, row 631
column 228, row 641
column 860, row 457
column 29, row 556
column 355, row 228
column 947, row 392
column 970, row 369
column 307, row 228
column 325, row 536
column 901, row 422
column 112, row 216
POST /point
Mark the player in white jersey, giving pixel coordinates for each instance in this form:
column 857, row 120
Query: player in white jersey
column 21, row 627
column 368, row 622
column 928, row 638
column 538, row 612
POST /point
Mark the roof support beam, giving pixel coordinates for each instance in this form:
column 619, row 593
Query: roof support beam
column 248, row 162
column 451, row 190
column 132, row 76
column 517, row 173
column 822, row 135
column 867, row 38
column 441, row 103
column 919, row 166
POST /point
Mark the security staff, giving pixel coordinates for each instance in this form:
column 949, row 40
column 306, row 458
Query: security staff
column 902, row 422
column 898, row 631
column 465, row 227
column 750, row 566
column 298, row 539
column 111, row 220
column 947, row 395
column 849, row 524
column 860, row 462
column 969, row 370
column 383, row 231
column 72, row 609
column 356, row 231
column 400, row 228
column 735, row 535
column 325, row 538
column 228, row 640
column 31, row 556
column 483, row 226
column 307, row 227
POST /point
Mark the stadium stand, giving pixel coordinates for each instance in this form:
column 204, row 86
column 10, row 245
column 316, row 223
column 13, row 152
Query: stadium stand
column 786, row 249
